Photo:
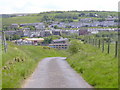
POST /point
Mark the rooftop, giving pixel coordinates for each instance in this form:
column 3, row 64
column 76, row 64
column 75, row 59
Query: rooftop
column 58, row 44
column 61, row 39
column 34, row 39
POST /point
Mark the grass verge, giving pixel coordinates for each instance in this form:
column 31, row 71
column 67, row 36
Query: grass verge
column 99, row 69
column 20, row 61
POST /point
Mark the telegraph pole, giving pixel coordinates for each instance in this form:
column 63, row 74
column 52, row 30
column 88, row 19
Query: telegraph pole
column 4, row 41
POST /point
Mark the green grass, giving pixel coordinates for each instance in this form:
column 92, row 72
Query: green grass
column 99, row 69
column 15, row 72
column 112, row 49
column 22, row 19
column 33, row 18
column 0, row 64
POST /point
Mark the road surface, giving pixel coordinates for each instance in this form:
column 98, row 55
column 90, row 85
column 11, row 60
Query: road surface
column 55, row 72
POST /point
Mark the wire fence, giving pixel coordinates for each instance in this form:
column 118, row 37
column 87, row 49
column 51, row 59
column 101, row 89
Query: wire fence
column 106, row 46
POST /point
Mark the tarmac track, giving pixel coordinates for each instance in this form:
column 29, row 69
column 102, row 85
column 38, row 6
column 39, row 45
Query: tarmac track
column 55, row 72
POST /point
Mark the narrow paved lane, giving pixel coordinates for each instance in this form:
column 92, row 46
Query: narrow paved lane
column 55, row 72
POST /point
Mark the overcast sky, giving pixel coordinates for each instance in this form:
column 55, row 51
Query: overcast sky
column 36, row 6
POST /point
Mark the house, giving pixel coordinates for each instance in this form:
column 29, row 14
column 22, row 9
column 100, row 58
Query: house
column 61, row 43
column 61, row 40
column 27, row 33
column 22, row 15
column 22, row 42
column 111, row 19
column 108, row 23
column 45, row 33
column 40, row 26
column 96, row 30
column 10, row 32
column 35, row 33
column 65, row 32
column 56, row 32
column 59, row 46
column 25, row 28
column 83, row 32
column 29, row 24
column 35, row 41
column 74, row 32
column 86, row 20
column 29, row 41
column 95, row 24
column 117, row 29
column 18, row 32
column 105, row 29
column 61, row 25
column 14, row 26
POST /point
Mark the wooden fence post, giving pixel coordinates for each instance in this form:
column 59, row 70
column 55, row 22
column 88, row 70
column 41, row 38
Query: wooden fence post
column 116, row 49
column 93, row 41
column 99, row 43
column 103, row 46
column 108, row 51
column 89, row 40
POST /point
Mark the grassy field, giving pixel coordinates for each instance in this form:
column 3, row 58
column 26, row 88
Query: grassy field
column 20, row 61
column 22, row 19
column 112, row 48
column 34, row 18
column 0, row 63
column 99, row 69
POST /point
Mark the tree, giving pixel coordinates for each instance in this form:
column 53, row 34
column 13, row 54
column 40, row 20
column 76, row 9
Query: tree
column 102, row 19
column 74, row 35
column 5, row 27
column 82, row 14
column 56, row 27
column 31, row 27
column 67, row 26
column 91, row 15
column 46, row 18
column 116, row 20
column 15, row 37
column 74, row 47
column 7, row 37
column 47, row 40
column 70, row 20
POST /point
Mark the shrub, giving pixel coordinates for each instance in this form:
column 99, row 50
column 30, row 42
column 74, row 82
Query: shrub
column 75, row 46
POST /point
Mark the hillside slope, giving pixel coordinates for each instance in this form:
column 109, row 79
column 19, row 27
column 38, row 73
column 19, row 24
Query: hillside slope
column 20, row 61
column 58, row 16
column 98, row 69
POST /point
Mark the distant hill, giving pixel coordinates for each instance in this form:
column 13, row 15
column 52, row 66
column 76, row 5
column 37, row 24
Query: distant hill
column 61, row 16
